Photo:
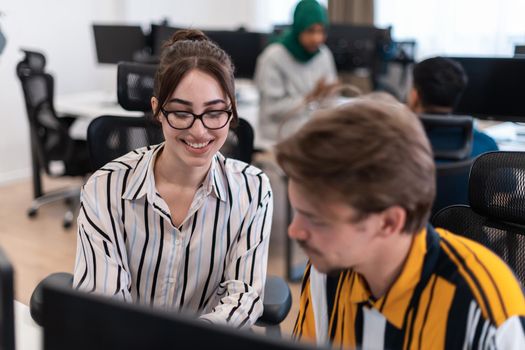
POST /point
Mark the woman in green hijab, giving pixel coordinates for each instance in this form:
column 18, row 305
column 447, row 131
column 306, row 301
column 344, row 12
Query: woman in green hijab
column 295, row 70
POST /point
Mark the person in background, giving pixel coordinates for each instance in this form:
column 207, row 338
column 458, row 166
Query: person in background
column 176, row 225
column 362, row 183
column 296, row 70
column 438, row 83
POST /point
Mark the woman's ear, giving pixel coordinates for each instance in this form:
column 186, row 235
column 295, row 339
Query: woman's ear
column 154, row 105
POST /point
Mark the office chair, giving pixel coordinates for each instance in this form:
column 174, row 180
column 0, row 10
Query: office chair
column 495, row 216
column 52, row 149
column 451, row 138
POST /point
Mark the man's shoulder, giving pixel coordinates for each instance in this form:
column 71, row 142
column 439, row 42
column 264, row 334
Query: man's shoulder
column 481, row 274
column 483, row 143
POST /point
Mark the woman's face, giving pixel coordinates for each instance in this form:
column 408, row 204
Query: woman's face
column 198, row 93
column 312, row 37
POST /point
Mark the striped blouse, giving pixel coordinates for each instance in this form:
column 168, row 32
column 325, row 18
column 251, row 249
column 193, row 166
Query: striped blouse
column 213, row 264
column 452, row 293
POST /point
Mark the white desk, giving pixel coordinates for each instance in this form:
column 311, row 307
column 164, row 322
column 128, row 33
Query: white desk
column 509, row 136
column 28, row 335
column 88, row 106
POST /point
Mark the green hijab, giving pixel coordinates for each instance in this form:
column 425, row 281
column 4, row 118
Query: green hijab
column 307, row 13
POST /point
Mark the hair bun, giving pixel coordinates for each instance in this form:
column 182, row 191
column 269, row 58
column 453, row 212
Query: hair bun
column 186, row 34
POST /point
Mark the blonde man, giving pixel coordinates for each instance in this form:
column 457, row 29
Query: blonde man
column 362, row 185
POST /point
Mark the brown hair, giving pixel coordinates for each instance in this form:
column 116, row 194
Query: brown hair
column 370, row 153
column 190, row 49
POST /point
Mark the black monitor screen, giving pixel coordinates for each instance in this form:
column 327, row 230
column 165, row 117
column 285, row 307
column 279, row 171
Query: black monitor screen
column 7, row 319
column 495, row 88
column 357, row 46
column 242, row 46
column 115, row 43
column 77, row 320
column 159, row 34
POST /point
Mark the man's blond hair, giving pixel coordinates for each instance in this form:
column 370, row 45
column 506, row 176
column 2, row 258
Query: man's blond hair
column 371, row 153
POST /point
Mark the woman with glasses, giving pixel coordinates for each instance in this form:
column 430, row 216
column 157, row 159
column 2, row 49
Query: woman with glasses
column 176, row 225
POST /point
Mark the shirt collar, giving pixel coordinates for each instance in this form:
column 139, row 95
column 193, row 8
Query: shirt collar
column 142, row 178
column 394, row 304
column 214, row 181
column 138, row 186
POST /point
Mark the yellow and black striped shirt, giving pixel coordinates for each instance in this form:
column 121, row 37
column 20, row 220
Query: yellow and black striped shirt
column 452, row 293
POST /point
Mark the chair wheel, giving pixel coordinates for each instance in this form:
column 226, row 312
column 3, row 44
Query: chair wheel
column 31, row 212
column 67, row 224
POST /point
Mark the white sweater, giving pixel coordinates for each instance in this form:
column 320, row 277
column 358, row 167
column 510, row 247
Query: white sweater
column 283, row 82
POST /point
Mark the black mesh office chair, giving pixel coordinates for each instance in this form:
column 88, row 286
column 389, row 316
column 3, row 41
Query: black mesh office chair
column 109, row 137
column 52, row 149
column 495, row 216
column 116, row 136
column 451, row 138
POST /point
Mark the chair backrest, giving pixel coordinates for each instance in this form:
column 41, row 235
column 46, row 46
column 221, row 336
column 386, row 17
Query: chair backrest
column 135, row 85
column 451, row 184
column 496, row 215
column 451, row 137
column 49, row 136
column 110, row 137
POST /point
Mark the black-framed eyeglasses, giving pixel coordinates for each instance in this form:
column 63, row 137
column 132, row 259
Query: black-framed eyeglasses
column 182, row 120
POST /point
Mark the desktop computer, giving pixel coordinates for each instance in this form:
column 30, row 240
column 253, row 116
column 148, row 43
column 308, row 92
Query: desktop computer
column 78, row 320
column 115, row 43
column 494, row 89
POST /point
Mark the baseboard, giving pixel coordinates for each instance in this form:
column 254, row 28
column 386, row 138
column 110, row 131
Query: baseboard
column 14, row 175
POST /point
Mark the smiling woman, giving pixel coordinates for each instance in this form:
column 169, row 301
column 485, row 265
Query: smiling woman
column 177, row 225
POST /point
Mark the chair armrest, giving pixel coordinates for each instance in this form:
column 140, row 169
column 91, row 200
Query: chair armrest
column 35, row 303
column 277, row 301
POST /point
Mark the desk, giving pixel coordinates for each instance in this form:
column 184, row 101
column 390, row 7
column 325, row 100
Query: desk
column 28, row 335
column 88, row 106
column 508, row 135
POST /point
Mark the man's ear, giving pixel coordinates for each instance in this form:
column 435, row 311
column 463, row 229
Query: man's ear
column 413, row 100
column 394, row 219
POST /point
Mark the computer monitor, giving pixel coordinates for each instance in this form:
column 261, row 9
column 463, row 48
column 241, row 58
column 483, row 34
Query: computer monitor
column 77, row 320
column 158, row 35
column 7, row 316
column 519, row 51
column 243, row 47
column 356, row 46
column 115, row 43
column 494, row 89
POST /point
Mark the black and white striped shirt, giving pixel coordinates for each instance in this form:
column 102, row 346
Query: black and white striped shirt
column 213, row 264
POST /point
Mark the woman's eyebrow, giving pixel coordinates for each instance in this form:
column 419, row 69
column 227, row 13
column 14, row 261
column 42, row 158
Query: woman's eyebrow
column 189, row 103
column 213, row 102
column 181, row 101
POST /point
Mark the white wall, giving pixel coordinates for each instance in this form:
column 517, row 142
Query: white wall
column 62, row 30
column 212, row 14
